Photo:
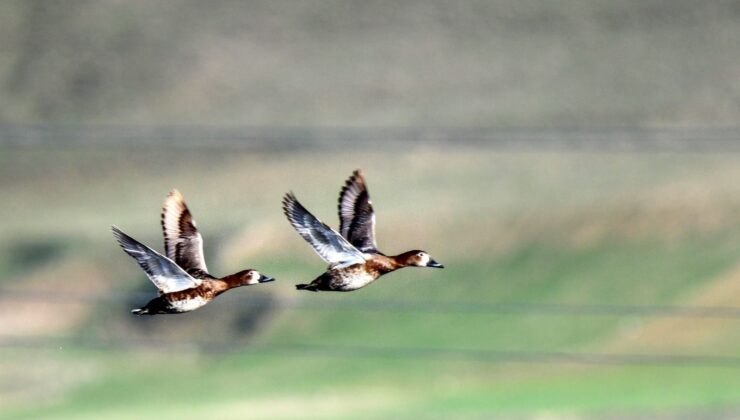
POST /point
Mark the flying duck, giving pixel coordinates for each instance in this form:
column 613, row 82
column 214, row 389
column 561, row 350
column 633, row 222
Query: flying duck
column 182, row 276
column 352, row 254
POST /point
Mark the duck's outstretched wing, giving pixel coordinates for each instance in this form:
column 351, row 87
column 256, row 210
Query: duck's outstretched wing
column 330, row 245
column 163, row 272
column 356, row 215
column 183, row 243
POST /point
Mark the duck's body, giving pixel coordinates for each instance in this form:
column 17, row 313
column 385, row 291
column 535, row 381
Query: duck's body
column 189, row 299
column 353, row 277
column 353, row 255
column 346, row 279
column 172, row 303
column 182, row 276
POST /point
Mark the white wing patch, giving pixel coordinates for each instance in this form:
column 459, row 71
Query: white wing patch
column 163, row 272
column 329, row 244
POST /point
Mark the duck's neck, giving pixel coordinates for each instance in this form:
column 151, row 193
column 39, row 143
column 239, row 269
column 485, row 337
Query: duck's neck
column 393, row 263
column 379, row 266
column 225, row 283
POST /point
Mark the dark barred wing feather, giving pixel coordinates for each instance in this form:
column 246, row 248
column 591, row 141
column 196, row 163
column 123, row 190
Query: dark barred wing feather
column 356, row 214
column 183, row 242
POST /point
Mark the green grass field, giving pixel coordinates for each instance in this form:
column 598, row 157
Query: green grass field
column 512, row 228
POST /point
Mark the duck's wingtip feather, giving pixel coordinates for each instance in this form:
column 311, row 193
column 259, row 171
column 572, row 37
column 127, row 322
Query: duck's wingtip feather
column 174, row 193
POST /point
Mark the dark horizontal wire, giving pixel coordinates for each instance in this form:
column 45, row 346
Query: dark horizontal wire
column 510, row 356
column 628, row 139
column 397, row 305
column 372, row 352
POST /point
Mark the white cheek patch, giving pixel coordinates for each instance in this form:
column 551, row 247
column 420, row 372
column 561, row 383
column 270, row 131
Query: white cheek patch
column 425, row 259
column 254, row 278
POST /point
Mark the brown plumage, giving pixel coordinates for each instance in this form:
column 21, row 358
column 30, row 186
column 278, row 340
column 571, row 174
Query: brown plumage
column 181, row 276
column 353, row 256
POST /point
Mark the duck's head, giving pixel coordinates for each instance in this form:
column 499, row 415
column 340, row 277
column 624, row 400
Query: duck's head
column 418, row 258
column 249, row 277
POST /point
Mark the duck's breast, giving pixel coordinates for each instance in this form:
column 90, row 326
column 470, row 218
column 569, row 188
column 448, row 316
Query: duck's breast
column 188, row 304
column 353, row 277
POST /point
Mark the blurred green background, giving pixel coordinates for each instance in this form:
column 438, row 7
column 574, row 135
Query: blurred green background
column 573, row 164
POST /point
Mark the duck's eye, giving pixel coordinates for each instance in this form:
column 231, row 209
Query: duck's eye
column 421, row 255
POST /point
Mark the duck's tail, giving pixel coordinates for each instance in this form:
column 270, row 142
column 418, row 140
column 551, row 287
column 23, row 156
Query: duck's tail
column 312, row 287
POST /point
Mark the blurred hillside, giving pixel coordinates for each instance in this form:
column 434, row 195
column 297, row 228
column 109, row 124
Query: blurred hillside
column 361, row 63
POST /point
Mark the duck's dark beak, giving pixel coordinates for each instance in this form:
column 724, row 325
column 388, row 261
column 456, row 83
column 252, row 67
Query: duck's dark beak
column 265, row 279
column 434, row 264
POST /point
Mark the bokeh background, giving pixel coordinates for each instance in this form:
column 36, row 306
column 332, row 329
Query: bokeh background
column 574, row 164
